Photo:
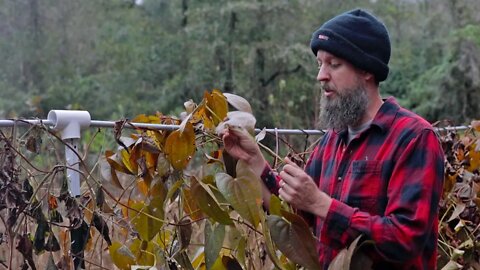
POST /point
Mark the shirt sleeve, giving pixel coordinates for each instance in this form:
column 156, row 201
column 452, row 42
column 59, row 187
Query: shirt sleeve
column 271, row 179
column 411, row 213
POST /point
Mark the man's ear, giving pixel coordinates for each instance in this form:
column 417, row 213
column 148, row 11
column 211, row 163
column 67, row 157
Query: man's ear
column 367, row 76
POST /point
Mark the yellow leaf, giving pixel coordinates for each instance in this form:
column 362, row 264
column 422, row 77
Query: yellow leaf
column 180, row 146
column 217, row 103
column 144, row 252
column 147, row 219
column 121, row 256
column 132, row 167
column 198, row 261
column 142, row 118
column 163, row 239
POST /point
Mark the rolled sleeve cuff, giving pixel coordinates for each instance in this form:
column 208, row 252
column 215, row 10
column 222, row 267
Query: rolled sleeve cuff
column 270, row 179
column 336, row 224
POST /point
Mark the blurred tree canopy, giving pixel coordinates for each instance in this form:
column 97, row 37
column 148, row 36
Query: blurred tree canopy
column 120, row 58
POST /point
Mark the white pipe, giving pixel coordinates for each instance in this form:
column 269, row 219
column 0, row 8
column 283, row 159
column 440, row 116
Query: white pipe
column 70, row 125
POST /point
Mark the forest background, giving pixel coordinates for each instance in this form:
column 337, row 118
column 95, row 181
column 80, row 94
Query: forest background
column 121, row 58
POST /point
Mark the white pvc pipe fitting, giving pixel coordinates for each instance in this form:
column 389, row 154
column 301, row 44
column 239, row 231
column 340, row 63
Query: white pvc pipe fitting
column 69, row 123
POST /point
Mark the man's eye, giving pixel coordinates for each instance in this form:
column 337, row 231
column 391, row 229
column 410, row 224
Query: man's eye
column 334, row 64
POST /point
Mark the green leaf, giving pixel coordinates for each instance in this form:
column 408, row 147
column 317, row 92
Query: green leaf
column 173, row 190
column 121, row 256
column 271, row 250
column 207, row 203
column 214, row 236
column 293, row 237
column 242, row 245
column 146, row 226
column 244, row 193
column 275, row 206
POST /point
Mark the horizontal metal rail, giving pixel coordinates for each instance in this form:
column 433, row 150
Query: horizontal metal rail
column 132, row 125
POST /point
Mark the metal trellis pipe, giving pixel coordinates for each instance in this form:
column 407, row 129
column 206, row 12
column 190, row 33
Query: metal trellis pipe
column 70, row 123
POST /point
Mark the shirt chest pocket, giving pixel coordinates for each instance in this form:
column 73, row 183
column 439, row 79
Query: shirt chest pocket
column 365, row 188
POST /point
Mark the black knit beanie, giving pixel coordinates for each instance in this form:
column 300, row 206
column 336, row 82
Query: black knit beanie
column 358, row 37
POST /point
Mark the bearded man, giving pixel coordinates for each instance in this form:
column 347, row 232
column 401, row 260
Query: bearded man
column 377, row 172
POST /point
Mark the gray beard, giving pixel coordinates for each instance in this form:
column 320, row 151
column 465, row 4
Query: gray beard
column 344, row 109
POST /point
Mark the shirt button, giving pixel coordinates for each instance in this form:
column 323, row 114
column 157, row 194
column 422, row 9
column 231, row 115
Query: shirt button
column 339, row 179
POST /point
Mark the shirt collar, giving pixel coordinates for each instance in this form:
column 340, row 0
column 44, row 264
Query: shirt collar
column 384, row 117
column 386, row 114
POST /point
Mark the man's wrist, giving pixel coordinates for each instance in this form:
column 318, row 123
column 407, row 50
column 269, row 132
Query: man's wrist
column 257, row 165
column 322, row 206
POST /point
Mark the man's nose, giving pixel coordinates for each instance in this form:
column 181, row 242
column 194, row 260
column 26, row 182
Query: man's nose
column 322, row 74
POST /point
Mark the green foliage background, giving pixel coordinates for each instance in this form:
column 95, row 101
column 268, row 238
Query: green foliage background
column 120, row 58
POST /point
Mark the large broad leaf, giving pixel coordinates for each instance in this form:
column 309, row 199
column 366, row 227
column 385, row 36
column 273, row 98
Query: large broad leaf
column 238, row 102
column 121, row 256
column 270, row 249
column 214, row 236
column 244, row 192
column 207, row 203
column 190, row 206
column 293, row 237
column 142, row 219
column 180, row 146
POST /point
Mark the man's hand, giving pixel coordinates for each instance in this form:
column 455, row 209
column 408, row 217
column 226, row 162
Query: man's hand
column 241, row 145
column 298, row 189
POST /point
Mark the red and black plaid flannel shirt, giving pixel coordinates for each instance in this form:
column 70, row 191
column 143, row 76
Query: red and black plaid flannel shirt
column 385, row 184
